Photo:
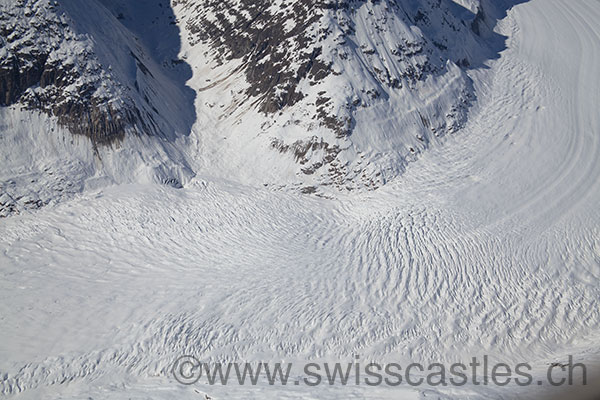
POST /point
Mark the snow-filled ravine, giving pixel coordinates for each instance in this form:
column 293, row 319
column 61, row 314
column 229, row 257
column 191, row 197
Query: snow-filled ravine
column 488, row 244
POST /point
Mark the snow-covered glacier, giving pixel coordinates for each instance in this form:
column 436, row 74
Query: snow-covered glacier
column 396, row 181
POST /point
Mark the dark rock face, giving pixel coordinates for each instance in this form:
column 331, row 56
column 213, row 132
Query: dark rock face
column 49, row 68
column 46, row 66
column 319, row 65
column 280, row 45
column 249, row 31
column 15, row 79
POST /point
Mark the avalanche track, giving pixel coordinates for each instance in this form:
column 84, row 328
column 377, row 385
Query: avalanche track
column 488, row 244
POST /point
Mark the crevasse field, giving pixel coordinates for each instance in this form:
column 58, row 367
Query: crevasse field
column 488, row 244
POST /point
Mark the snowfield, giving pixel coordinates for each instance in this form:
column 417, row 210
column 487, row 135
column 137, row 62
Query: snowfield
column 488, row 244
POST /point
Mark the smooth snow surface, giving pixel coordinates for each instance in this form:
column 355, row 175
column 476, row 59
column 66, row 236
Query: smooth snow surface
column 488, row 244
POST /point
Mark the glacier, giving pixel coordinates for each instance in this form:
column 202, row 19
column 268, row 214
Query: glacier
column 115, row 260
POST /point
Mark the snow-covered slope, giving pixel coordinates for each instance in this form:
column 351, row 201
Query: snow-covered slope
column 76, row 61
column 314, row 94
column 304, row 95
column 88, row 98
column 488, row 244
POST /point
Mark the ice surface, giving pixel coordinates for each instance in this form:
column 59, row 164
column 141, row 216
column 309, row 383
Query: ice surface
column 487, row 244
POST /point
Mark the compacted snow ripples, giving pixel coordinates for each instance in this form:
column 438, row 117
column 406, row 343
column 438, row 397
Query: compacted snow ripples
column 488, row 244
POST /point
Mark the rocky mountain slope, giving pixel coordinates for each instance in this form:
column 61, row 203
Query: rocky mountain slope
column 303, row 94
column 74, row 61
column 347, row 91
column 86, row 99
